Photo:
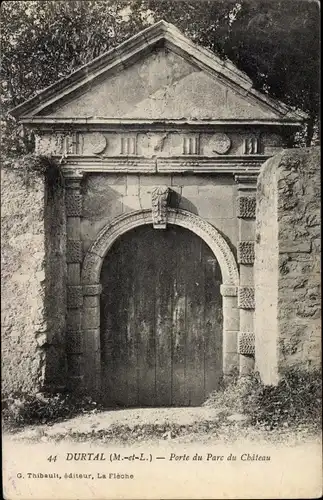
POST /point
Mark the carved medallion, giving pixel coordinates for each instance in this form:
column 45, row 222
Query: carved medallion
column 221, row 143
column 94, row 143
column 159, row 200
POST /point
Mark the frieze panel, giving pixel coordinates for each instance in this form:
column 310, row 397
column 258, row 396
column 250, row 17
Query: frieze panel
column 251, row 146
column 94, row 143
column 221, row 144
column 246, row 343
column 246, row 297
column 246, row 207
column 128, row 145
column 191, row 145
column 246, row 252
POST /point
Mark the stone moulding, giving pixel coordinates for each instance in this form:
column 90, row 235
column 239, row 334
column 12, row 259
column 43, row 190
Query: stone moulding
column 246, row 252
column 246, row 297
column 228, row 290
column 94, row 257
column 159, row 200
column 90, row 290
column 246, row 207
column 246, row 343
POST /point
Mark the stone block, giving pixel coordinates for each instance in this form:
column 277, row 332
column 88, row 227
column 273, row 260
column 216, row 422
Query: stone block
column 73, row 320
column 75, row 364
column 229, row 290
column 92, row 340
column 246, row 297
column 73, row 274
column 74, row 297
column 74, row 342
column 91, row 301
column 246, row 252
column 246, row 207
column 246, row 343
column 73, row 251
column 73, row 203
column 230, row 362
column 247, row 229
column 131, row 203
column 230, row 341
column 91, row 318
column 73, row 227
column 246, row 275
column 294, row 246
column 231, row 317
column 90, row 271
column 92, row 290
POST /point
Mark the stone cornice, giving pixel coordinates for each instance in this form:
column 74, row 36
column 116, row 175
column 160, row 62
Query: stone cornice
column 51, row 124
column 135, row 164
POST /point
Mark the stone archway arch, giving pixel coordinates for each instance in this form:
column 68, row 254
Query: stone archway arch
column 91, row 287
column 93, row 260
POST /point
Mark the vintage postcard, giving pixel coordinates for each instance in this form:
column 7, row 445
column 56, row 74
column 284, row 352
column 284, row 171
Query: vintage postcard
column 160, row 221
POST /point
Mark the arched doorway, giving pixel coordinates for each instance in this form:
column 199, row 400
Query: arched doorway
column 91, row 287
column 161, row 319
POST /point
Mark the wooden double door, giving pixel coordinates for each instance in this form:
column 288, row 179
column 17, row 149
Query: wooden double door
column 161, row 319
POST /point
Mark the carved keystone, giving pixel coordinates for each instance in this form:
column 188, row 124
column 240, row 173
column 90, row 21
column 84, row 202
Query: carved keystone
column 246, row 343
column 246, row 207
column 246, row 297
column 246, row 252
column 159, row 201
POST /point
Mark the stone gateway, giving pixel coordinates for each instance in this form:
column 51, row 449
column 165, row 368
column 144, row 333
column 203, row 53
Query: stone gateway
column 159, row 143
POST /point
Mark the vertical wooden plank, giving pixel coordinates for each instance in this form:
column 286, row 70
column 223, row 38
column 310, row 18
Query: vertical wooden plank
column 180, row 395
column 164, row 249
column 213, row 322
column 195, row 327
column 146, row 278
column 129, row 319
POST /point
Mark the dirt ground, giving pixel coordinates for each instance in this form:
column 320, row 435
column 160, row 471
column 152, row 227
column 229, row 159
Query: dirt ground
column 291, row 468
column 151, row 425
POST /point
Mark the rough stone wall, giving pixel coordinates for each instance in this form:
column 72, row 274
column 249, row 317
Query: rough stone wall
column 108, row 196
column 287, row 264
column 55, row 299
column 26, row 272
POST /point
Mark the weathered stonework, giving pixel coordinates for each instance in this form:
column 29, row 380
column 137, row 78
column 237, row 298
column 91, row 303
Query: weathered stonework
column 246, row 297
column 166, row 113
column 246, row 207
column 246, row 252
column 73, row 251
column 32, row 285
column 246, row 343
column 287, row 264
column 159, row 200
column 73, row 204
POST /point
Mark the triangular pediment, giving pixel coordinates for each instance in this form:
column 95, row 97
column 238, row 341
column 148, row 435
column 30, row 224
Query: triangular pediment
column 156, row 75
